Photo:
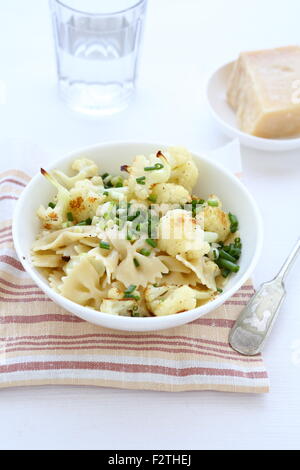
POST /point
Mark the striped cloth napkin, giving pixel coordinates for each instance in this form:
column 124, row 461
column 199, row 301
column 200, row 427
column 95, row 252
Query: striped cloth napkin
column 42, row 344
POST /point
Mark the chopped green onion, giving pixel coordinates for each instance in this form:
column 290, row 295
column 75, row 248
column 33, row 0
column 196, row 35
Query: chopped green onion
column 234, row 223
column 135, row 314
column 132, row 296
column 157, row 166
column 104, row 245
column 66, row 224
column 220, row 290
column 120, row 223
column 130, row 289
column 136, row 263
column 151, row 242
column 52, row 205
column 117, row 181
column 130, row 218
column 105, row 193
column 141, row 180
column 86, row 222
column 195, row 203
column 70, row 217
column 152, row 198
column 105, row 175
column 228, row 265
column 145, row 252
column 215, row 253
column 153, row 222
column 213, row 203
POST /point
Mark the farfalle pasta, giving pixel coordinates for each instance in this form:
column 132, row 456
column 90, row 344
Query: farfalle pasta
column 139, row 245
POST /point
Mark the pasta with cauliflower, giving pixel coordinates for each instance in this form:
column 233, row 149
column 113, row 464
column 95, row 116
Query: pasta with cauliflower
column 138, row 245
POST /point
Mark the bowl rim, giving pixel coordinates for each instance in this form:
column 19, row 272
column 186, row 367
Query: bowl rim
column 122, row 322
column 279, row 145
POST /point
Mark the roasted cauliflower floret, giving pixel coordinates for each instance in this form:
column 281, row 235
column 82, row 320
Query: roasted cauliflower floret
column 123, row 307
column 53, row 217
column 178, row 156
column 145, row 172
column 216, row 220
column 85, row 169
column 167, row 300
column 184, row 171
column 180, row 235
column 85, row 197
column 170, row 193
column 116, row 291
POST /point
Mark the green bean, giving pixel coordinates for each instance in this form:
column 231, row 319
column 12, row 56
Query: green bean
column 225, row 272
column 234, row 223
column 225, row 255
column 226, row 264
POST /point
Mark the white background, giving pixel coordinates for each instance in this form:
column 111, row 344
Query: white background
column 184, row 41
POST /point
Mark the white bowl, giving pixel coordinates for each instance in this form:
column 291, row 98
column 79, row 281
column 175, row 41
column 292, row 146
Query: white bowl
column 226, row 119
column 109, row 156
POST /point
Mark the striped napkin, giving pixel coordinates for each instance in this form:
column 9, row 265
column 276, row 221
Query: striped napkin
column 40, row 343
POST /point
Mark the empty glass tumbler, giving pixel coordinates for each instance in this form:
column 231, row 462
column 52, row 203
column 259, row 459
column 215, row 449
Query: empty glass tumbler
column 97, row 52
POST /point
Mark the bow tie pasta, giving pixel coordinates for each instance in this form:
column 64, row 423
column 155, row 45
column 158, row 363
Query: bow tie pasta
column 137, row 245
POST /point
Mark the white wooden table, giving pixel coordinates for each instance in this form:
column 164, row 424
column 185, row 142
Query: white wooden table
column 184, row 41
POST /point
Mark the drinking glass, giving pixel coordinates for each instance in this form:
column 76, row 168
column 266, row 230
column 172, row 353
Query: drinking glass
column 97, row 52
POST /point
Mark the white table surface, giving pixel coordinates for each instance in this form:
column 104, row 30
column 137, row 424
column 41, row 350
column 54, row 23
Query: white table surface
column 184, row 41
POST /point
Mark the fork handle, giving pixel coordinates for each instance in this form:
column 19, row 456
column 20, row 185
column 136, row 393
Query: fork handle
column 289, row 262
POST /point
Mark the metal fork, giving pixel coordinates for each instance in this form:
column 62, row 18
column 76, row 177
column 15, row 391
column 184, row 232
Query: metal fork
column 254, row 325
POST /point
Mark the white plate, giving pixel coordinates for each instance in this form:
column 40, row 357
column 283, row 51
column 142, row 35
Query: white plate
column 226, row 119
column 213, row 178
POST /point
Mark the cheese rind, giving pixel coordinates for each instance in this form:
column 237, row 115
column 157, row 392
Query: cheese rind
column 264, row 90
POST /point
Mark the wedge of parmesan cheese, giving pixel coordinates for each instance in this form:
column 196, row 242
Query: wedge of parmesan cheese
column 264, row 91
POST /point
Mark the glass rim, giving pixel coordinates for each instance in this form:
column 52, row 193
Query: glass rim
column 83, row 12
